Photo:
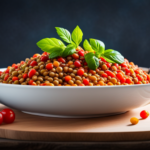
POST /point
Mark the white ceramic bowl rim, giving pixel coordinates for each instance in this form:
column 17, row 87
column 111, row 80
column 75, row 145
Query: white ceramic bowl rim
column 68, row 87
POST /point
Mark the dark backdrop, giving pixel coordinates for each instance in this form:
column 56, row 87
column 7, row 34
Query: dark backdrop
column 123, row 25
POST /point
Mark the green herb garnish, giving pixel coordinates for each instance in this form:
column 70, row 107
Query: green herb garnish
column 95, row 47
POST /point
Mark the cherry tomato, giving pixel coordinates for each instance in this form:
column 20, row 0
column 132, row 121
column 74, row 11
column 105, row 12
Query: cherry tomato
column 134, row 120
column 144, row 114
column 80, row 72
column 77, row 63
column 8, row 115
column 1, row 118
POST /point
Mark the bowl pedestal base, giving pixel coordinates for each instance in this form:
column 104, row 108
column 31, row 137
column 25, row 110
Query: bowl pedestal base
column 61, row 116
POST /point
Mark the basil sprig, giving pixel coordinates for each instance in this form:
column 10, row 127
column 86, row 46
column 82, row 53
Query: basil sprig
column 56, row 47
column 92, row 61
column 96, row 49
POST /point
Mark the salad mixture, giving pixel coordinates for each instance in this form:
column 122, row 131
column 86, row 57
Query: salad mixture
column 72, row 65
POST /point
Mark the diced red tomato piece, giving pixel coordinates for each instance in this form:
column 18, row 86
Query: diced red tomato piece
column 6, row 77
column 81, row 53
column 44, row 58
column 148, row 77
column 15, row 78
column 123, row 64
column 49, row 66
column 102, row 59
column 31, row 73
column 45, row 53
column 60, row 59
column 30, row 82
column 104, row 75
column 25, row 76
column 139, row 82
column 137, row 71
column 36, row 55
column 123, row 80
column 81, row 85
column 109, row 73
column 128, row 80
column 120, row 76
column 139, row 77
column 108, row 65
column 86, row 81
column 77, row 63
column 67, row 78
column 85, row 63
column 92, row 71
column 1, row 73
column 22, row 62
column 33, row 63
column 7, row 71
column 116, row 65
column 80, row 72
column 15, row 66
column 75, row 56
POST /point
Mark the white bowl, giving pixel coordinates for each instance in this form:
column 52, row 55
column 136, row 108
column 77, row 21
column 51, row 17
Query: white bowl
column 74, row 102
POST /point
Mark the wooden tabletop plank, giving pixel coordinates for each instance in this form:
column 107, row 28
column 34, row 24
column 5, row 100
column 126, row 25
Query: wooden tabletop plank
column 113, row 128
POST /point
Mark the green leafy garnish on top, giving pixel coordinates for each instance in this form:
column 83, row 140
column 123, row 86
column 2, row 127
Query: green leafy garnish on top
column 95, row 48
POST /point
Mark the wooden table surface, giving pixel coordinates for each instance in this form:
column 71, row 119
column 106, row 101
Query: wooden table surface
column 113, row 128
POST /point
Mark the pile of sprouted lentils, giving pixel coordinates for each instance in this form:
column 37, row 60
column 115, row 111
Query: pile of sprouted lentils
column 71, row 65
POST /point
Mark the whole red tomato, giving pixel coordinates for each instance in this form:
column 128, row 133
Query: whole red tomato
column 1, row 118
column 8, row 115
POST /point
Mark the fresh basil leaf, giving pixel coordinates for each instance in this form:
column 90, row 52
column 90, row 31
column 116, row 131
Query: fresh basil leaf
column 48, row 43
column 77, row 35
column 92, row 61
column 70, row 49
column 64, row 34
column 98, row 46
column 113, row 56
column 55, row 53
column 87, row 46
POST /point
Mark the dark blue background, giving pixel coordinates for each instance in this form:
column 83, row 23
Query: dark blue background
column 123, row 25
